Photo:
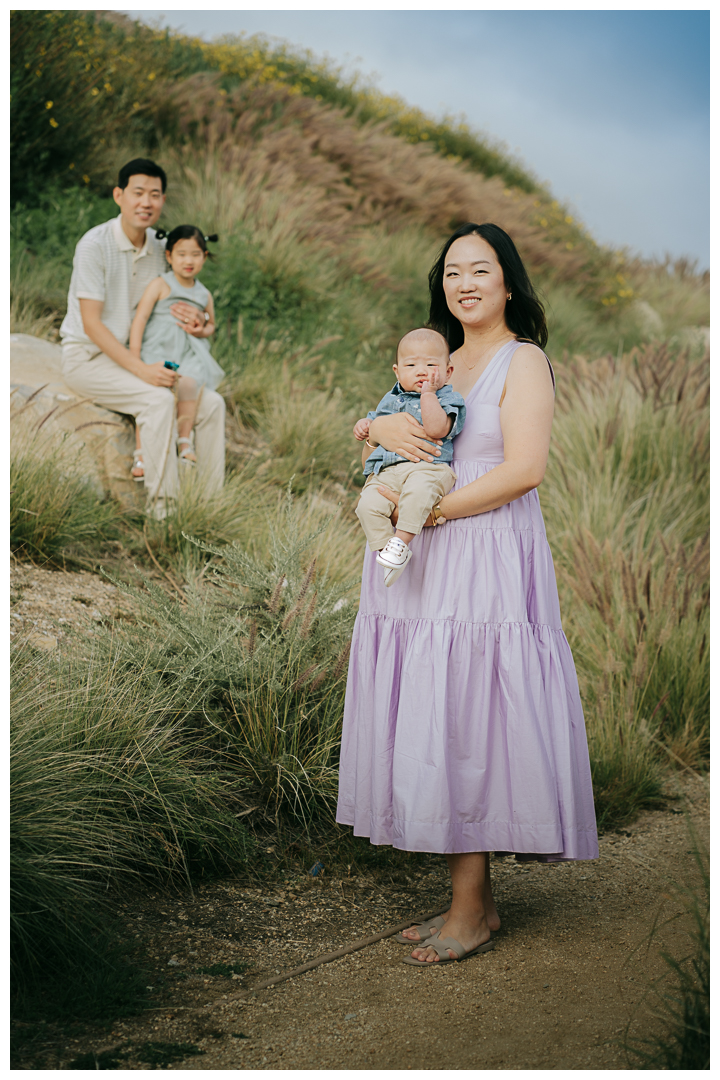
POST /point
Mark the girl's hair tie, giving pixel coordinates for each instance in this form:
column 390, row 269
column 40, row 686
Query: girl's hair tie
column 185, row 232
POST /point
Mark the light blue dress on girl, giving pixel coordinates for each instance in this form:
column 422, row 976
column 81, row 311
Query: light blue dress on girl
column 165, row 340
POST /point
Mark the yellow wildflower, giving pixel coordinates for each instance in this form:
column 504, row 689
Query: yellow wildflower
column 569, row 220
column 48, row 104
column 86, row 178
column 543, row 222
column 53, row 122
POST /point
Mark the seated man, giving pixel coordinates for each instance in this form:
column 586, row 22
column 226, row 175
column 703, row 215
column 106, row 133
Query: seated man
column 113, row 264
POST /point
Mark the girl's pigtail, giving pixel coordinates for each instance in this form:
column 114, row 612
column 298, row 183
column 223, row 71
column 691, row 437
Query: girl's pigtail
column 212, row 239
column 160, row 234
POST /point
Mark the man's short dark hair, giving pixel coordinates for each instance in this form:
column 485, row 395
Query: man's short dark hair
column 141, row 166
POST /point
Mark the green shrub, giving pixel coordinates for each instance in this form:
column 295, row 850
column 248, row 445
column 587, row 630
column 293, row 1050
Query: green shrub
column 107, row 782
column 626, row 506
column 52, row 504
column 77, row 82
column 261, row 649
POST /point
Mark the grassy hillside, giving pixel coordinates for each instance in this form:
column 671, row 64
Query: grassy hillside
column 330, row 203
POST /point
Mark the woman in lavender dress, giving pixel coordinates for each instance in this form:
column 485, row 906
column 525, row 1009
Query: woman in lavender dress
column 463, row 730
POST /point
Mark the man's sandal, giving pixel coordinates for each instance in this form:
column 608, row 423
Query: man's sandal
column 441, row 948
column 138, row 470
column 423, row 930
column 187, row 455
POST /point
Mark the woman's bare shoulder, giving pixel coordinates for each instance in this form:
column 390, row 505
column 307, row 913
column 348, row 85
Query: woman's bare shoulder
column 529, row 361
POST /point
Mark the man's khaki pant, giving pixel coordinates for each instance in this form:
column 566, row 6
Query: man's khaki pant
column 419, row 484
column 94, row 375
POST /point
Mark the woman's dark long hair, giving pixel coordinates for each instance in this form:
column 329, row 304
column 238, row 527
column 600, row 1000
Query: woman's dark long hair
column 524, row 314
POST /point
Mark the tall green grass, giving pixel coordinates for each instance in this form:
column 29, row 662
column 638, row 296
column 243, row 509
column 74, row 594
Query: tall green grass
column 108, row 781
column 260, row 648
column 625, row 501
column 52, row 503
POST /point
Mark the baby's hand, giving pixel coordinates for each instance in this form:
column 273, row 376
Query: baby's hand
column 433, row 383
column 362, row 429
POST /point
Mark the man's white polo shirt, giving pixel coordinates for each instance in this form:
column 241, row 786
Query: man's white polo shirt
column 108, row 267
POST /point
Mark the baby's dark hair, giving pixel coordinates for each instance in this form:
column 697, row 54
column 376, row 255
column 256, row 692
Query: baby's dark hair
column 422, row 331
column 186, row 232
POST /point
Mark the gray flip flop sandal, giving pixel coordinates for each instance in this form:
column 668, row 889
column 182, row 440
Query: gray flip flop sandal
column 423, row 930
column 441, row 948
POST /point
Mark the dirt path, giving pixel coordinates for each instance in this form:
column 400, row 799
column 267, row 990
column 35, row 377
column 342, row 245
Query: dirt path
column 556, row 993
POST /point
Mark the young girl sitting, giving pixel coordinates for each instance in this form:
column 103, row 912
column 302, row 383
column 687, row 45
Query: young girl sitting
column 157, row 337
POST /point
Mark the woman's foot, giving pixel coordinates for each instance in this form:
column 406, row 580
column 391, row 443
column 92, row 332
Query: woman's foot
column 491, row 917
column 185, row 451
column 138, row 470
column 469, row 933
column 411, row 933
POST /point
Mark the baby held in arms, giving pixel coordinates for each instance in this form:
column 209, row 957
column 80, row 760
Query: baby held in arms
column 422, row 389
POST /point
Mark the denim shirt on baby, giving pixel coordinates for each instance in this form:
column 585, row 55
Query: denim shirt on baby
column 399, row 400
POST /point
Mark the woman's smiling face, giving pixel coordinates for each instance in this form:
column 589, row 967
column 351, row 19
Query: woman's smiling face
column 473, row 281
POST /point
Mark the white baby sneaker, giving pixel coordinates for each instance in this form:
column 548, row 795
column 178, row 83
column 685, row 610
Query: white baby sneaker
column 394, row 557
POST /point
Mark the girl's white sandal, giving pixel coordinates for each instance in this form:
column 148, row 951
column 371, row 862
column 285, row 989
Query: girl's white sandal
column 138, row 477
column 187, row 455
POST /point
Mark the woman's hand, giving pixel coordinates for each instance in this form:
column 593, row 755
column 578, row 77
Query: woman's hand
column 401, row 434
column 393, row 497
column 189, row 318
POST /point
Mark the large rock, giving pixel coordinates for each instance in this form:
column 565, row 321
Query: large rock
column 44, row 408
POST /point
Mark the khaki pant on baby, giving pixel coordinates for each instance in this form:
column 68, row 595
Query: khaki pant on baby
column 418, row 483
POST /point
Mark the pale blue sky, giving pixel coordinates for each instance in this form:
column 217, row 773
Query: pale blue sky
column 610, row 107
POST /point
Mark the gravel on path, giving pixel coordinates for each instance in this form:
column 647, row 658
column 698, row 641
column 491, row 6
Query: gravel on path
column 571, row 969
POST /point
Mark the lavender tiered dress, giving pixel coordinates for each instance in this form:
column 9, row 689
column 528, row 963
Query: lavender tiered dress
column 463, row 726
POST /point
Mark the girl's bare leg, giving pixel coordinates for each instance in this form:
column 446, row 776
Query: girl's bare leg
column 472, row 913
column 137, row 466
column 186, row 409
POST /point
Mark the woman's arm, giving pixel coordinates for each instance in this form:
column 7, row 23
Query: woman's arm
column 401, row 434
column 526, row 421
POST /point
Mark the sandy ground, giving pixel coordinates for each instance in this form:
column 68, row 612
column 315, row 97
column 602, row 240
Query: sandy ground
column 570, row 970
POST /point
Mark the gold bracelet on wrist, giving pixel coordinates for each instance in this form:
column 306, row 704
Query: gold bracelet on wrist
column 437, row 518
column 373, row 446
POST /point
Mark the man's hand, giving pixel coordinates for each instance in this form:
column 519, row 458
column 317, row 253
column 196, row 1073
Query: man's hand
column 433, row 383
column 189, row 318
column 157, row 375
column 362, row 430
